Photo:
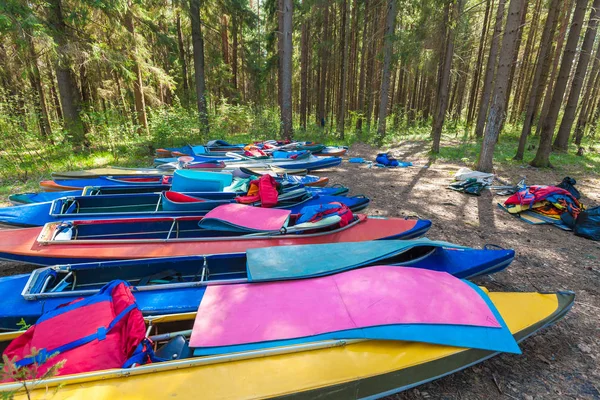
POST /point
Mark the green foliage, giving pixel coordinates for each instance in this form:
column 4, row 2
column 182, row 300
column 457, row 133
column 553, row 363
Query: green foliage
column 29, row 376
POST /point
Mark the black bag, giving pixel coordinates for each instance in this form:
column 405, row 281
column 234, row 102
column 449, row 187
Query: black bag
column 587, row 224
column 569, row 185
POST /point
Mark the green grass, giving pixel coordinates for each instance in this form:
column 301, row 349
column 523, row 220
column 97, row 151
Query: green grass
column 26, row 160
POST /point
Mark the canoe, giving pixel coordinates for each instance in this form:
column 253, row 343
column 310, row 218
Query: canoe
column 41, row 197
column 65, row 184
column 147, row 205
column 87, row 241
column 349, row 369
column 177, row 284
column 310, row 163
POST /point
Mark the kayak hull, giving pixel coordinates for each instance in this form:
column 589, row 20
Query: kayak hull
column 23, row 245
column 336, row 369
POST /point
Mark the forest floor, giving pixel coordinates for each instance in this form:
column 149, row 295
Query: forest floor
column 562, row 361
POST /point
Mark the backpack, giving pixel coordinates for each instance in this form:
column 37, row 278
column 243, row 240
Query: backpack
column 99, row 332
column 317, row 213
column 587, row 224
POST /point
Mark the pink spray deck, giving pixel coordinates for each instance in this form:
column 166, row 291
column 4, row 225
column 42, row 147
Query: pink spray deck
column 256, row 218
column 374, row 296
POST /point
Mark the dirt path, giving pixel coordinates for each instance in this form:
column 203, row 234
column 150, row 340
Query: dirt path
column 560, row 362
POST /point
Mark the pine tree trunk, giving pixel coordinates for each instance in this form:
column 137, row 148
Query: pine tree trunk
column 387, row 69
column 234, row 60
column 567, row 8
column 479, row 64
column 561, row 142
column 444, row 83
column 304, row 46
column 286, row 69
column 501, row 90
column 341, row 111
column 490, row 71
column 67, row 86
column 371, row 72
column 198, row 55
column 353, row 58
column 589, row 97
column 138, row 87
column 539, row 79
column 323, row 58
column 517, row 108
column 184, row 73
column 542, row 157
column 363, row 66
column 53, row 91
column 36, row 83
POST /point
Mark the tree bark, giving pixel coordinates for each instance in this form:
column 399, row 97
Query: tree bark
column 542, row 157
column 180, row 47
column 341, row 110
column 363, row 66
column 138, row 86
column 198, row 47
column 539, row 78
column 304, row 73
column 479, row 64
column 501, row 90
column 589, row 97
column 566, row 18
column 323, row 59
column 387, row 68
column 53, row 92
column 67, row 86
column 490, row 71
column 444, row 82
column 36, row 83
column 561, row 142
column 286, row 69
column 234, row 60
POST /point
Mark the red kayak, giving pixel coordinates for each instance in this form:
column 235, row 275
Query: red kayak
column 88, row 241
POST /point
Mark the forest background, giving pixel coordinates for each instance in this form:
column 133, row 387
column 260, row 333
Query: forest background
column 104, row 82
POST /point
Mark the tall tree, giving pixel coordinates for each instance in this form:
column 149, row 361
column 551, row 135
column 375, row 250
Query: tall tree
column 182, row 60
column 390, row 25
column 539, row 78
column 198, row 46
column 501, row 89
column 304, row 46
column 138, row 85
column 477, row 73
column 444, row 77
column 490, row 71
column 542, row 157
column 341, row 109
column 592, row 86
column 562, row 138
column 36, row 82
column 323, row 61
column 67, row 85
column 286, row 69
column 363, row 66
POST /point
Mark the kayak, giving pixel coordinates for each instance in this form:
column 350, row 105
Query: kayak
column 41, row 197
column 344, row 368
column 146, row 205
column 226, row 229
column 177, row 284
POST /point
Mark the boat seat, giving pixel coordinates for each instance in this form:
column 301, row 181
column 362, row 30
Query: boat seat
column 175, row 349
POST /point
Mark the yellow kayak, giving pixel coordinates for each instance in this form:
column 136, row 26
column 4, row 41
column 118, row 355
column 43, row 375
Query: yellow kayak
column 343, row 369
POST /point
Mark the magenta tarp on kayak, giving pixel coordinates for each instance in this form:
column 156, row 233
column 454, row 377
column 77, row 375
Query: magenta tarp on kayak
column 248, row 217
column 374, row 296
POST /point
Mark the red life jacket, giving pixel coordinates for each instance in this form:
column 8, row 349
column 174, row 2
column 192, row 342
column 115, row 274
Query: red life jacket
column 264, row 190
column 317, row 213
column 98, row 332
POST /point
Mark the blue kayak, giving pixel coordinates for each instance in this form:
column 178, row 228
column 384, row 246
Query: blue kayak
column 42, row 197
column 145, row 205
column 169, row 285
